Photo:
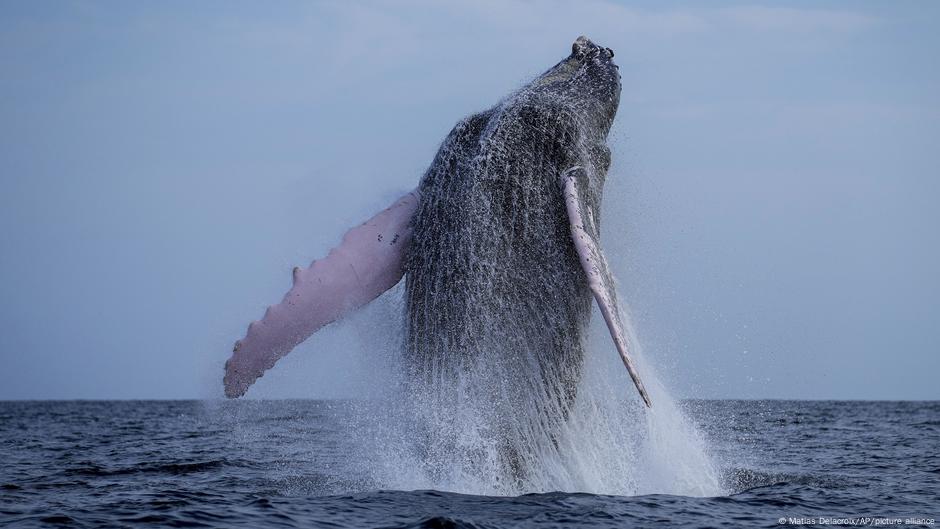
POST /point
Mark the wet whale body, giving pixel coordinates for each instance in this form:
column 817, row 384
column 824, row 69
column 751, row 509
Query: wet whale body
column 500, row 250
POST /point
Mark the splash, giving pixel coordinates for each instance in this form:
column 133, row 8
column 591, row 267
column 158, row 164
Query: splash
column 606, row 443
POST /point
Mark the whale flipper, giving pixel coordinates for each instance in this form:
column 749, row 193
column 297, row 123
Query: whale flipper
column 586, row 239
column 367, row 262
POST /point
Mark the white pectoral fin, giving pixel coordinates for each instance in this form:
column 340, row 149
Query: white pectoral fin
column 586, row 239
column 367, row 262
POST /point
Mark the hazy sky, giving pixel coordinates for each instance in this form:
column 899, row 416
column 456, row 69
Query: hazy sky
column 771, row 212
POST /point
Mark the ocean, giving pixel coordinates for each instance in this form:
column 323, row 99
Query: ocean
column 301, row 464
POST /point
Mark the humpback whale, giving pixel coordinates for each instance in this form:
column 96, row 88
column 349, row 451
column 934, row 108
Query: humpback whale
column 500, row 250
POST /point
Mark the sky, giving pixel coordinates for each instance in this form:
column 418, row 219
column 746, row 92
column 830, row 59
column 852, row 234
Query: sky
column 770, row 213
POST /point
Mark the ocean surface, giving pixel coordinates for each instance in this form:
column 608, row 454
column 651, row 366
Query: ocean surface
column 294, row 464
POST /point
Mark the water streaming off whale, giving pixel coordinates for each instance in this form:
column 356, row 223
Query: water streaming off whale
column 608, row 443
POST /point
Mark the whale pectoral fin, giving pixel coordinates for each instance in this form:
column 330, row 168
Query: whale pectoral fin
column 367, row 262
column 586, row 239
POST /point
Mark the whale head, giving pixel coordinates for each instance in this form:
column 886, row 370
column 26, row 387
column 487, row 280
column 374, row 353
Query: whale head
column 588, row 80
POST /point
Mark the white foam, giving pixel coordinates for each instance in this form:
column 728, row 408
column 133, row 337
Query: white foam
column 609, row 444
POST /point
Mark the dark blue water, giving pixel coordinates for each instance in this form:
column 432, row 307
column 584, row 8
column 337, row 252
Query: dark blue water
column 287, row 464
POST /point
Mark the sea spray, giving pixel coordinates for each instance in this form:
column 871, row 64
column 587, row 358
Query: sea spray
column 609, row 443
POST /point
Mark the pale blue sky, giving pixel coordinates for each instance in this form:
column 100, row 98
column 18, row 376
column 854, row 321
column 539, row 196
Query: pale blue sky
column 771, row 212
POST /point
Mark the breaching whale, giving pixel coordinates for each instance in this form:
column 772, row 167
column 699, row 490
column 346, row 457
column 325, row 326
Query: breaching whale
column 499, row 246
